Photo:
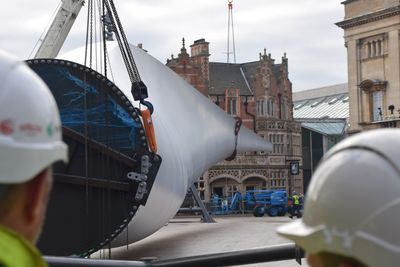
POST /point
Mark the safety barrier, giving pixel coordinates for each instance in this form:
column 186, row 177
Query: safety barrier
column 231, row 258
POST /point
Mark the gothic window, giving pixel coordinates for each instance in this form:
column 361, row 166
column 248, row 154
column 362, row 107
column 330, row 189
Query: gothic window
column 232, row 106
column 232, row 101
column 261, row 107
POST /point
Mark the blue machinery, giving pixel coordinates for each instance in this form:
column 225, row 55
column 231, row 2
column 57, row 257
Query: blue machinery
column 272, row 202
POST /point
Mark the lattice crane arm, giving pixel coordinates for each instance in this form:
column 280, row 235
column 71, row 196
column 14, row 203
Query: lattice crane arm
column 59, row 29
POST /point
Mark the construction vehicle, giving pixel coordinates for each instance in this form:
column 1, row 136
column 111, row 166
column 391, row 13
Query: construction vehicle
column 272, row 202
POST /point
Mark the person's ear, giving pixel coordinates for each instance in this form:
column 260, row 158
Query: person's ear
column 37, row 193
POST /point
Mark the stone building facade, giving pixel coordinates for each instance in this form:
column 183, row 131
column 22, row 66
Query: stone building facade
column 371, row 33
column 260, row 93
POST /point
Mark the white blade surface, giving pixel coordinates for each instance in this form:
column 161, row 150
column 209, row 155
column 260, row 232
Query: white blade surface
column 192, row 133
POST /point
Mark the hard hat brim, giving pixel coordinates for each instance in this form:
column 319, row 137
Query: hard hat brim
column 35, row 159
column 301, row 234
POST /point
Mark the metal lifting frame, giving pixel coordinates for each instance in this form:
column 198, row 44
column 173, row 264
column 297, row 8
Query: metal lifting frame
column 206, row 216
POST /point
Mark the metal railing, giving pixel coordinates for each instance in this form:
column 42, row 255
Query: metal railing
column 231, row 258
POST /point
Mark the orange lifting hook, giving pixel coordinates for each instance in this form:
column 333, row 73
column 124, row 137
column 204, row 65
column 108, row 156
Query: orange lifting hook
column 149, row 129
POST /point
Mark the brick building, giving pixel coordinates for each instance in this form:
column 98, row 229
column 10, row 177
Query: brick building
column 260, row 93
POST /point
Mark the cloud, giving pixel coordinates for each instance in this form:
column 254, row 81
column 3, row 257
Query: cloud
column 304, row 29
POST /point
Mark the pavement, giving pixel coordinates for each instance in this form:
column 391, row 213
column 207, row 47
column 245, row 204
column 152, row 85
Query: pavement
column 188, row 236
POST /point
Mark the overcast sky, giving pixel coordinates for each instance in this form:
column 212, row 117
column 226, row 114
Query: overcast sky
column 304, row 29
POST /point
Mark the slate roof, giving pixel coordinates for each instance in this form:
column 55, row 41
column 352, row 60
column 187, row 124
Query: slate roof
column 241, row 76
column 224, row 76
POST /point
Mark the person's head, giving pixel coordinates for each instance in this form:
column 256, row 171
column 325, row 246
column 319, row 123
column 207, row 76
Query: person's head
column 353, row 201
column 30, row 142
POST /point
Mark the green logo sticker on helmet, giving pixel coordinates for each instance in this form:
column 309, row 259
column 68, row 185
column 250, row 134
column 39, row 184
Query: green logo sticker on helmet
column 50, row 129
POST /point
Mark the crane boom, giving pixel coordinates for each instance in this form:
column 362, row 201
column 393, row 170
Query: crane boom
column 59, row 29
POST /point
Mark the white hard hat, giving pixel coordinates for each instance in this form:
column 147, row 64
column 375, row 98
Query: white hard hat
column 30, row 129
column 353, row 201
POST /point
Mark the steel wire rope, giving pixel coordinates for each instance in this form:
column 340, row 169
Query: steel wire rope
column 88, row 45
column 95, row 35
column 120, row 43
column 107, row 193
column 128, row 59
column 103, row 18
column 106, row 201
column 105, row 167
column 136, row 75
column 100, row 156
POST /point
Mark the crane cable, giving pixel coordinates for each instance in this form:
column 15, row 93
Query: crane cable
column 138, row 88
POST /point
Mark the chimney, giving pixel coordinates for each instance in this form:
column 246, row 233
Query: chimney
column 200, row 48
column 200, row 57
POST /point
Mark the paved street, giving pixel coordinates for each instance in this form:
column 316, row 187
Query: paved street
column 188, row 236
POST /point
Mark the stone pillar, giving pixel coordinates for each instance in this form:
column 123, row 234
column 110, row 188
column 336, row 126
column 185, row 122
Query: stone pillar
column 354, row 93
column 392, row 70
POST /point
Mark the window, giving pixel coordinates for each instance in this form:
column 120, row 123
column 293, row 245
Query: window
column 298, row 106
column 231, row 190
column 248, row 188
column 374, row 91
column 232, row 106
column 332, row 101
column 261, row 107
column 232, row 101
column 283, row 109
column 377, row 103
column 315, row 104
column 270, row 107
